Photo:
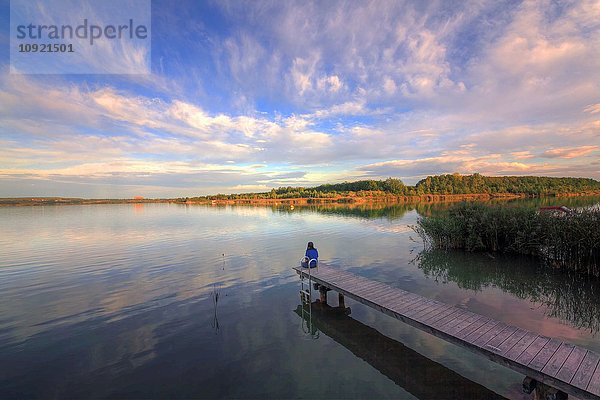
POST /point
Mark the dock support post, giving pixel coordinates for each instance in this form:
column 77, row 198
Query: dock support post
column 541, row 391
column 529, row 385
column 545, row 392
column 323, row 292
column 341, row 301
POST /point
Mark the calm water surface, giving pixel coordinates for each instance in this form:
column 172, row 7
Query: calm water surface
column 119, row 301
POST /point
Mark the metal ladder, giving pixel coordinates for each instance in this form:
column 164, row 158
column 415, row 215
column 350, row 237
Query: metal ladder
column 306, row 299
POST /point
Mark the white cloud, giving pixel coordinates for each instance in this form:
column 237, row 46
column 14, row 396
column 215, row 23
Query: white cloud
column 389, row 85
column 330, row 83
column 303, row 73
column 349, row 108
column 491, row 164
column 105, row 56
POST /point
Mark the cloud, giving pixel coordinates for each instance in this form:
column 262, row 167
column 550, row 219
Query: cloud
column 353, row 108
column 481, row 87
column 521, row 155
column 542, row 67
column 593, row 108
column 389, row 86
column 490, row 62
column 323, row 58
column 176, row 143
column 570, row 152
column 465, row 162
column 125, row 55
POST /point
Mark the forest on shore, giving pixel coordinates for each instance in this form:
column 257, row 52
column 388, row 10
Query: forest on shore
column 449, row 184
column 449, row 187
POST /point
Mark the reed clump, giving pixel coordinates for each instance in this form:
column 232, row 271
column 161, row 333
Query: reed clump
column 570, row 240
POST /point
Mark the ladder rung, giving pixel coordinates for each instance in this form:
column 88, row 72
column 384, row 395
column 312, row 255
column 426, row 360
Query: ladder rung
column 305, row 296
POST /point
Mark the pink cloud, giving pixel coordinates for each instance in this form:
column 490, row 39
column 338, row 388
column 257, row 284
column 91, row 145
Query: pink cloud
column 570, row 152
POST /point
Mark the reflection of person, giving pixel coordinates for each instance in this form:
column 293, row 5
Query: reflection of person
column 311, row 255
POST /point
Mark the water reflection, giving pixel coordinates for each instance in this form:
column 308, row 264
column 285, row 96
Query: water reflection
column 365, row 211
column 568, row 296
column 215, row 298
column 571, row 202
column 387, row 211
column 418, row 375
column 105, row 301
column 394, row 212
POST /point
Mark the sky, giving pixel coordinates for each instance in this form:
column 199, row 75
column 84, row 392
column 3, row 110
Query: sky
column 252, row 95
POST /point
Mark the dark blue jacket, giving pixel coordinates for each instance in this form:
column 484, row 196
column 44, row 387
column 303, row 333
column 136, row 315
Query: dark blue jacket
column 312, row 253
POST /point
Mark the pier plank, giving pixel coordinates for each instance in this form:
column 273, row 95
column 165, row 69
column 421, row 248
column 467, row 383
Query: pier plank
column 544, row 355
column 500, row 338
column 452, row 330
column 433, row 312
column 533, row 350
column 486, row 337
column 482, row 330
column 594, row 385
column 557, row 359
column 429, row 306
column 390, row 299
column 511, row 341
column 407, row 304
column 412, row 306
column 365, row 288
column 382, row 296
column 432, row 320
column 457, row 314
column 401, row 302
column 586, row 370
column 472, row 328
column 514, row 352
column 567, row 371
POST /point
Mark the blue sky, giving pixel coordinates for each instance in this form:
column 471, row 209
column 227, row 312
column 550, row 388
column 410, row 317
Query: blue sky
column 250, row 95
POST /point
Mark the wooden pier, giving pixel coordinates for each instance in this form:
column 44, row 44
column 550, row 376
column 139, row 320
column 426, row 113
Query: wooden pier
column 546, row 361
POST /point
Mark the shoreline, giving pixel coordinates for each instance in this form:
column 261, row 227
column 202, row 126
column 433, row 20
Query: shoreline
column 382, row 199
column 301, row 201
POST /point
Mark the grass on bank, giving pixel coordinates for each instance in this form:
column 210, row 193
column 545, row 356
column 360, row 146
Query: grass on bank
column 570, row 241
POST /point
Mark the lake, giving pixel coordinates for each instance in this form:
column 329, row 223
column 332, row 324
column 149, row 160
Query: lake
column 183, row 301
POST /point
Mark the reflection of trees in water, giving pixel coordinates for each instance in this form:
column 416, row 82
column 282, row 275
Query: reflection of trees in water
column 571, row 202
column 570, row 297
column 397, row 211
column 364, row 211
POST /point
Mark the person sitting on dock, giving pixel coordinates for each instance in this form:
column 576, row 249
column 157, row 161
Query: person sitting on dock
column 311, row 256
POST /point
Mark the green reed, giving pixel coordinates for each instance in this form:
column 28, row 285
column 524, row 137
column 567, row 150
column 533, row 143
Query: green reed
column 570, row 241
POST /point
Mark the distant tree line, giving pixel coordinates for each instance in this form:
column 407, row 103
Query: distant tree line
column 531, row 185
column 390, row 185
column 439, row 184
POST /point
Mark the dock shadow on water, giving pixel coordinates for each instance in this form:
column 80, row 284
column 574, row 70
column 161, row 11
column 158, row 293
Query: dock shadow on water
column 415, row 373
column 570, row 297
